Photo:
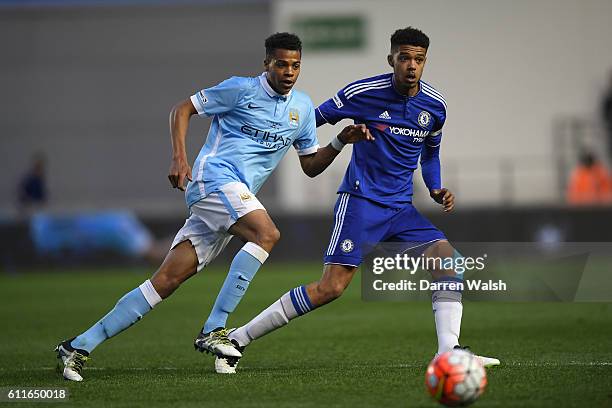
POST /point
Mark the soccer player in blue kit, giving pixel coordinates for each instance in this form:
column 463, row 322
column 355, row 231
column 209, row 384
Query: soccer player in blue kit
column 255, row 121
column 405, row 116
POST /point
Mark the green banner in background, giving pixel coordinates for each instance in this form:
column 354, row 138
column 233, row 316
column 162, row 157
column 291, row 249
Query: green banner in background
column 325, row 33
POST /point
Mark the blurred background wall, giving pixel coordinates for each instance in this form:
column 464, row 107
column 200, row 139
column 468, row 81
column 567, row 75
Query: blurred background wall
column 91, row 88
column 514, row 74
column 89, row 85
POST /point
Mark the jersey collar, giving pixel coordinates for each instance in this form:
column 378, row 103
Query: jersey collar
column 263, row 80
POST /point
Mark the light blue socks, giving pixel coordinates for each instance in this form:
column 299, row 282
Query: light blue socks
column 128, row 310
column 245, row 265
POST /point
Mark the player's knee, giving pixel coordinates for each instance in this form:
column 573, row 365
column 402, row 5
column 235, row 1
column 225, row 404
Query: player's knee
column 275, row 235
column 443, row 249
column 268, row 237
column 166, row 282
column 440, row 249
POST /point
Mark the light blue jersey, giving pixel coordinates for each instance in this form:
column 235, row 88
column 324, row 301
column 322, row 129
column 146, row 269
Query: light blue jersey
column 252, row 129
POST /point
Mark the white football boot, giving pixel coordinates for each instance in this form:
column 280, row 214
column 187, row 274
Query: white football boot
column 486, row 362
column 226, row 364
column 216, row 342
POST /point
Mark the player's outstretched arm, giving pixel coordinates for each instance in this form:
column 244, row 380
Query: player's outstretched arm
column 315, row 164
column 179, row 123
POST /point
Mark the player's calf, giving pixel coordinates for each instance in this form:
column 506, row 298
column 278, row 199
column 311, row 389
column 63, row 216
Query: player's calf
column 323, row 292
column 332, row 284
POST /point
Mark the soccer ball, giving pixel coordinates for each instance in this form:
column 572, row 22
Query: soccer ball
column 455, row 378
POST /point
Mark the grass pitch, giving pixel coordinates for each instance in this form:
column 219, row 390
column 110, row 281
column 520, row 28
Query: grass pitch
column 347, row 354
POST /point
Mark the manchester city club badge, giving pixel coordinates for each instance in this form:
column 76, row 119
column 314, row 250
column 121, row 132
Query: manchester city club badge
column 294, row 118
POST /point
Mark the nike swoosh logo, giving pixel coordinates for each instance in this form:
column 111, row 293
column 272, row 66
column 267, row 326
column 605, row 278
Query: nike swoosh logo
column 251, row 106
column 242, row 279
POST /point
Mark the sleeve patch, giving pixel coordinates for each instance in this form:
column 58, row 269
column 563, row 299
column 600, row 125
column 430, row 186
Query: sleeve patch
column 337, row 101
column 202, row 98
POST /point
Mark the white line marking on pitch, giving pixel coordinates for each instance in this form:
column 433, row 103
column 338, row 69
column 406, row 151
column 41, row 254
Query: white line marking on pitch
column 411, row 365
column 557, row 364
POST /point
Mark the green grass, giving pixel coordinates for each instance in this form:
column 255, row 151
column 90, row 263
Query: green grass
column 348, row 354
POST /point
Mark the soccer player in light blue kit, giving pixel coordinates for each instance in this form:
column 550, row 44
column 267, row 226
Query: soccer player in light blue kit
column 255, row 123
column 405, row 115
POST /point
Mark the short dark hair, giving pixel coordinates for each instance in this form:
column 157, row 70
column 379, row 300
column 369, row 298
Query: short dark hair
column 283, row 41
column 409, row 36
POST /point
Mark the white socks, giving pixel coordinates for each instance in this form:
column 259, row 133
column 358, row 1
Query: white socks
column 150, row 294
column 291, row 305
column 447, row 308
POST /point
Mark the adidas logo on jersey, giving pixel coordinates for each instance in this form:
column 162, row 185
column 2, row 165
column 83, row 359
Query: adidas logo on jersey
column 384, row 115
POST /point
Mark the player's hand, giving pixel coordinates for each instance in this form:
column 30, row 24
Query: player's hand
column 179, row 172
column 445, row 197
column 355, row 133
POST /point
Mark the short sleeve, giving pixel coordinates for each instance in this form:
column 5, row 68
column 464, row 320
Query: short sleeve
column 220, row 98
column 307, row 143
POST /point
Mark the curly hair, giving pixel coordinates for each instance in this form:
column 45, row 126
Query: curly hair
column 284, row 41
column 409, row 36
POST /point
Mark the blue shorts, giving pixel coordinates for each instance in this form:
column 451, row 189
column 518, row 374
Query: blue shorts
column 361, row 223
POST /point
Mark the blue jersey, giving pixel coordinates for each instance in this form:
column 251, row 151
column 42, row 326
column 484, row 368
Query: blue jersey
column 404, row 128
column 252, row 129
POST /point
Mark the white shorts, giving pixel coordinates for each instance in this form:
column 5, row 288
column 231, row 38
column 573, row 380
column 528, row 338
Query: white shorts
column 212, row 216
